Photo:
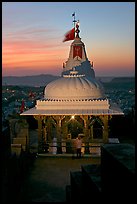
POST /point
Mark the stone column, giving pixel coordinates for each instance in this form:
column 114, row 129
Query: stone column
column 64, row 136
column 39, row 119
column 91, row 130
column 105, row 130
column 58, row 129
column 26, row 133
column 58, row 133
column 46, row 145
column 86, row 133
column 65, row 132
column 12, row 128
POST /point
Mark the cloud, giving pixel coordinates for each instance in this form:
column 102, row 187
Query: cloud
column 33, row 31
column 32, row 46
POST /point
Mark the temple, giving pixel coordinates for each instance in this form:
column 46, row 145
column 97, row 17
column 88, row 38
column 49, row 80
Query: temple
column 74, row 104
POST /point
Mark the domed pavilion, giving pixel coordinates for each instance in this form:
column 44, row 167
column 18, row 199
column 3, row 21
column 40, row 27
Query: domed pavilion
column 74, row 104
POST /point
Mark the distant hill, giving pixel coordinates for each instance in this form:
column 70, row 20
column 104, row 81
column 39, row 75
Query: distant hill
column 123, row 79
column 105, row 79
column 44, row 79
column 35, row 80
column 120, row 82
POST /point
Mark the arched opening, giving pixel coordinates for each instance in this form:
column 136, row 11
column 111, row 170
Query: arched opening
column 97, row 130
column 96, row 127
column 75, row 127
column 33, row 123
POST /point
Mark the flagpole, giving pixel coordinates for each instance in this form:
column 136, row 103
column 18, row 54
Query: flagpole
column 74, row 21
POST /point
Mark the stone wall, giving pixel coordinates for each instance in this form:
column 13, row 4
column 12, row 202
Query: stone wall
column 114, row 178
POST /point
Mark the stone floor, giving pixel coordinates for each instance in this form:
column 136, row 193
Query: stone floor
column 49, row 176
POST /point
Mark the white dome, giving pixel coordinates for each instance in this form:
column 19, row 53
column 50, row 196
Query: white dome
column 73, row 88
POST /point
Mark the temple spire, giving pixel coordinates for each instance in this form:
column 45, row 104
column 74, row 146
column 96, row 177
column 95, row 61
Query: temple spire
column 77, row 55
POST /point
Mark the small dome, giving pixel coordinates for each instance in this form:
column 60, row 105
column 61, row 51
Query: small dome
column 73, row 87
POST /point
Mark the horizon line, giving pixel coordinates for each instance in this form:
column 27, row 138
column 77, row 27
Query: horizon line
column 60, row 75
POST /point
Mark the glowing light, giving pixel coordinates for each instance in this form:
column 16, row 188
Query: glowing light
column 72, row 117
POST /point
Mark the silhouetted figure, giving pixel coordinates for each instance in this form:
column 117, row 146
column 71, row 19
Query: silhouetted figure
column 78, row 146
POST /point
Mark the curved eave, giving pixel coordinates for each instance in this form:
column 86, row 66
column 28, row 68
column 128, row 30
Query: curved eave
column 111, row 111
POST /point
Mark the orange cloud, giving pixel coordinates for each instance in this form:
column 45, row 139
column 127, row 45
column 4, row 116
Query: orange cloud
column 37, row 50
column 17, row 52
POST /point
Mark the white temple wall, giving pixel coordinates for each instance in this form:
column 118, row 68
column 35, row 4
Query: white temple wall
column 51, row 105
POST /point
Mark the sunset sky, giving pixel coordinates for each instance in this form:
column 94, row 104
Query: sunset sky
column 32, row 35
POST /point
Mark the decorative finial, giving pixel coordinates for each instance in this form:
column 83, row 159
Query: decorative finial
column 77, row 29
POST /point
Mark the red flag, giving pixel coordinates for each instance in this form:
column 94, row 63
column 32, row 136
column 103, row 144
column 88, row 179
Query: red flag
column 31, row 94
column 22, row 106
column 70, row 35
